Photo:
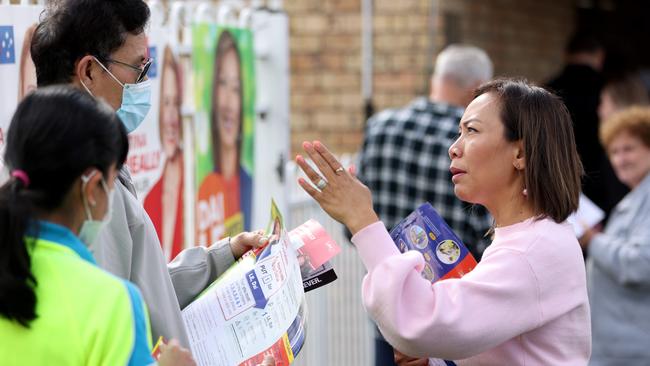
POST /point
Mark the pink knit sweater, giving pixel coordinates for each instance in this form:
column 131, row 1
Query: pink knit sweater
column 524, row 304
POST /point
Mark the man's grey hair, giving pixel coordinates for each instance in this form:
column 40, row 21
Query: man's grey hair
column 467, row 65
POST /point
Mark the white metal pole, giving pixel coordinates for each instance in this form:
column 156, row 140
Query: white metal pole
column 366, row 55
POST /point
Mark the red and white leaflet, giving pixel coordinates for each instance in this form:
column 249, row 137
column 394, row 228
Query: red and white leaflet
column 311, row 240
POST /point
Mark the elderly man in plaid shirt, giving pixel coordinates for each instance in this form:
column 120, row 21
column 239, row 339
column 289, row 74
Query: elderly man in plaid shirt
column 404, row 160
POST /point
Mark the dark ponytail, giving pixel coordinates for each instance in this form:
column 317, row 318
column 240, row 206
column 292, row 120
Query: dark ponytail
column 17, row 298
column 55, row 135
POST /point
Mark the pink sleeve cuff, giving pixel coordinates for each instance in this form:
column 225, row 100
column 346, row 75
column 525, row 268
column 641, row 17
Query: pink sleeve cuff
column 374, row 244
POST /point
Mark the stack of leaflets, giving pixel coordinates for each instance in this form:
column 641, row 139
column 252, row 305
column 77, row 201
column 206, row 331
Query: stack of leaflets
column 444, row 253
column 257, row 308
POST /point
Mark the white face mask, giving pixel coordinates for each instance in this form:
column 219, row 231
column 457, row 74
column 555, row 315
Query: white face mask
column 91, row 228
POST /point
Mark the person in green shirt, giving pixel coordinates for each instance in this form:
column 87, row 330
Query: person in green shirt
column 57, row 307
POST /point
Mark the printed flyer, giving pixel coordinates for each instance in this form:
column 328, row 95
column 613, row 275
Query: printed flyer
column 255, row 309
column 315, row 248
column 444, row 253
column 586, row 217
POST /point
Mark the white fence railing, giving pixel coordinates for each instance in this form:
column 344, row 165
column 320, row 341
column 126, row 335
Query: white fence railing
column 338, row 330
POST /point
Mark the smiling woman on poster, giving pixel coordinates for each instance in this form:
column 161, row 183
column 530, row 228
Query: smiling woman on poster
column 228, row 186
column 164, row 202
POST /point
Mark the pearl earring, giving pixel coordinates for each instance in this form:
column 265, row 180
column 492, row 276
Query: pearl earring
column 524, row 191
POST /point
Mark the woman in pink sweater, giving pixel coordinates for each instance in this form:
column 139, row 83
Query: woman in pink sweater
column 526, row 301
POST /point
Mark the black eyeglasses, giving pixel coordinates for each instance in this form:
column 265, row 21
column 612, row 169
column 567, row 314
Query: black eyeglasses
column 141, row 70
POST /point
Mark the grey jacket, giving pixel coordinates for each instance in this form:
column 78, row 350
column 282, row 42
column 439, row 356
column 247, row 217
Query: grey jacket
column 129, row 248
column 618, row 274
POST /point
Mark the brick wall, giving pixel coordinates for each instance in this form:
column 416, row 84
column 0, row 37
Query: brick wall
column 401, row 49
column 325, row 46
column 523, row 37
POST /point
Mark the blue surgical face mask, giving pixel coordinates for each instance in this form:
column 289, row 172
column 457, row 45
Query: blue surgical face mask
column 91, row 228
column 136, row 101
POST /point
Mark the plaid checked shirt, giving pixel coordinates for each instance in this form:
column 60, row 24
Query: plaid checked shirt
column 404, row 162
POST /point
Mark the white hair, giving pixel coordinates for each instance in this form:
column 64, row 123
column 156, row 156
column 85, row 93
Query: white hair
column 467, row 65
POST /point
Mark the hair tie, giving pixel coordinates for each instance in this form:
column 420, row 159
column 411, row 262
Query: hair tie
column 22, row 176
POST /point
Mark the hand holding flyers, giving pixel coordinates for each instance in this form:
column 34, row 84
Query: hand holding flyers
column 245, row 241
column 252, row 311
column 444, row 254
column 586, row 217
column 173, row 354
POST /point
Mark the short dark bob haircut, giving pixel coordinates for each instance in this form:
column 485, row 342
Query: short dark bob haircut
column 542, row 122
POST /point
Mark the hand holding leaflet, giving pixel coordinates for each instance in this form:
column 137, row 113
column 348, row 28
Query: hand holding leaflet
column 314, row 248
column 444, row 254
column 253, row 311
column 586, row 217
column 172, row 354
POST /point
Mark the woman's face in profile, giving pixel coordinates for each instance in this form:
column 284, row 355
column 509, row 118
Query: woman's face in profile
column 482, row 161
column 170, row 123
column 228, row 95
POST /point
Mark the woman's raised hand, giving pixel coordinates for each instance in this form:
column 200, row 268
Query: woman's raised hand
column 339, row 192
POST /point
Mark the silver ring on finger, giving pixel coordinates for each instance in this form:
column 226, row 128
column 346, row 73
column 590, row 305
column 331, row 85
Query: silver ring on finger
column 339, row 170
column 321, row 184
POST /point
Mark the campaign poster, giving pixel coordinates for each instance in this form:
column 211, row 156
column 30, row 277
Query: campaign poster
column 223, row 63
column 17, row 71
column 155, row 157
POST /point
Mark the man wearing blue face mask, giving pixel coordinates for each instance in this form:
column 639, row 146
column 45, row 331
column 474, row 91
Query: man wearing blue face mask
column 136, row 98
column 100, row 47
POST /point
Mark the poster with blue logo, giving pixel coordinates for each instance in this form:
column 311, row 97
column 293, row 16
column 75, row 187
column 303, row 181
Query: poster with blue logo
column 7, row 48
column 17, row 72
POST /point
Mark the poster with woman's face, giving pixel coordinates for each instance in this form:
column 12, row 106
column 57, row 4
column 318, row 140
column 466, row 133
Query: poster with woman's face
column 17, row 71
column 146, row 158
column 223, row 62
column 164, row 195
